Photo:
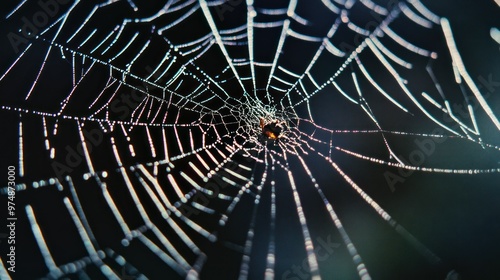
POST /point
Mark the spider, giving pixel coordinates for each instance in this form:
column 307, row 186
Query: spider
column 272, row 130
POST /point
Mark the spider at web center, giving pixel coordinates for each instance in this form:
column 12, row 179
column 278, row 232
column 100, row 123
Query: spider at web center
column 272, row 129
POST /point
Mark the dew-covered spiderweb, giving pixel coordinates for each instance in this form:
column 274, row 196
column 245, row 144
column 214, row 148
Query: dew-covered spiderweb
column 136, row 131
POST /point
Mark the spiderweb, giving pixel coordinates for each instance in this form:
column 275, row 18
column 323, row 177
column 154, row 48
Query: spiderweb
column 139, row 148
